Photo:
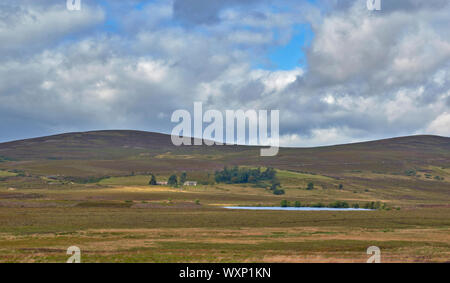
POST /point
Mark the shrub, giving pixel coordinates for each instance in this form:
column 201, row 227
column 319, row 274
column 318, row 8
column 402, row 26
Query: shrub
column 377, row 205
column 310, row 186
column 284, row 203
column 278, row 192
column 297, row 204
column 339, row 204
column 319, row 204
column 373, row 205
column 274, row 186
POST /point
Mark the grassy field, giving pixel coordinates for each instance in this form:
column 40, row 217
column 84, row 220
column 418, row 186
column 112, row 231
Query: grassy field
column 7, row 174
column 91, row 190
column 161, row 224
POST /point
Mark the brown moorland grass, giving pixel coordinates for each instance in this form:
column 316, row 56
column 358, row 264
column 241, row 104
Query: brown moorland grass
column 115, row 230
column 91, row 190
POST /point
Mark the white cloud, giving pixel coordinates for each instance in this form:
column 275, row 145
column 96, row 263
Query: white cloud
column 440, row 125
column 384, row 50
column 367, row 76
column 330, row 136
column 276, row 81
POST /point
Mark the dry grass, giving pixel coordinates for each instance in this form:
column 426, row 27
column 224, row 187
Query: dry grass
column 229, row 245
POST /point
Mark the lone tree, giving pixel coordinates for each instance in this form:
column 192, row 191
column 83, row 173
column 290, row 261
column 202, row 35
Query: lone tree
column 183, row 178
column 152, row 180
column 341, row 186
column 172, row 180
column 310, row 186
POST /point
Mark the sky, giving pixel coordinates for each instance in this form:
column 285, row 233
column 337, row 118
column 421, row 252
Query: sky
column 336, row 71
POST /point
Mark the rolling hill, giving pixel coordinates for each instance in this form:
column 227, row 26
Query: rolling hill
column 100, row 151
column 412, row 167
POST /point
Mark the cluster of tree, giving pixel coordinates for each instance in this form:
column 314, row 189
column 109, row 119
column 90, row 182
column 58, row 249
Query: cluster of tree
column 262, row 178
column 375, row 205
column 336, row 204
column 285, row 203
column 172, row 181
column 238, row 175
column 341, row 204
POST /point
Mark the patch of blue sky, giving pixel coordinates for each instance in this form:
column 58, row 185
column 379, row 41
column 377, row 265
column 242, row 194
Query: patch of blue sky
column 290, row 55
column 110, row 24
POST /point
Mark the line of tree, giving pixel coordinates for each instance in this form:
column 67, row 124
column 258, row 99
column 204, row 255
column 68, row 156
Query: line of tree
column 337, row 204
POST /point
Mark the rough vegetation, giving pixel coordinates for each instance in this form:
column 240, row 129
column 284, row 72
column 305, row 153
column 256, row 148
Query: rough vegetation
column 96, row 190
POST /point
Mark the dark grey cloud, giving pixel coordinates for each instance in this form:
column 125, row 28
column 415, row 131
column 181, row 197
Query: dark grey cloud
column 27, row 27
column 387, row 6
column 412, row 5
column 204, row 12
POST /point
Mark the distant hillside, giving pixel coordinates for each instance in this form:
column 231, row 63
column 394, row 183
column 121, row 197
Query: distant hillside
column 97, row 152
column 85, row 145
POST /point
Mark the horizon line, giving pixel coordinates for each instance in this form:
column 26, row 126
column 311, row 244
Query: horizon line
column 249, row 145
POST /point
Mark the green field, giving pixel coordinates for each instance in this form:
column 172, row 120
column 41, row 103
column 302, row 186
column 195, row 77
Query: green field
column 7, row 174
column 91, row 190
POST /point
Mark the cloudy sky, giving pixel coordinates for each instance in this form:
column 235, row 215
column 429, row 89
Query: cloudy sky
column 337, row 72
